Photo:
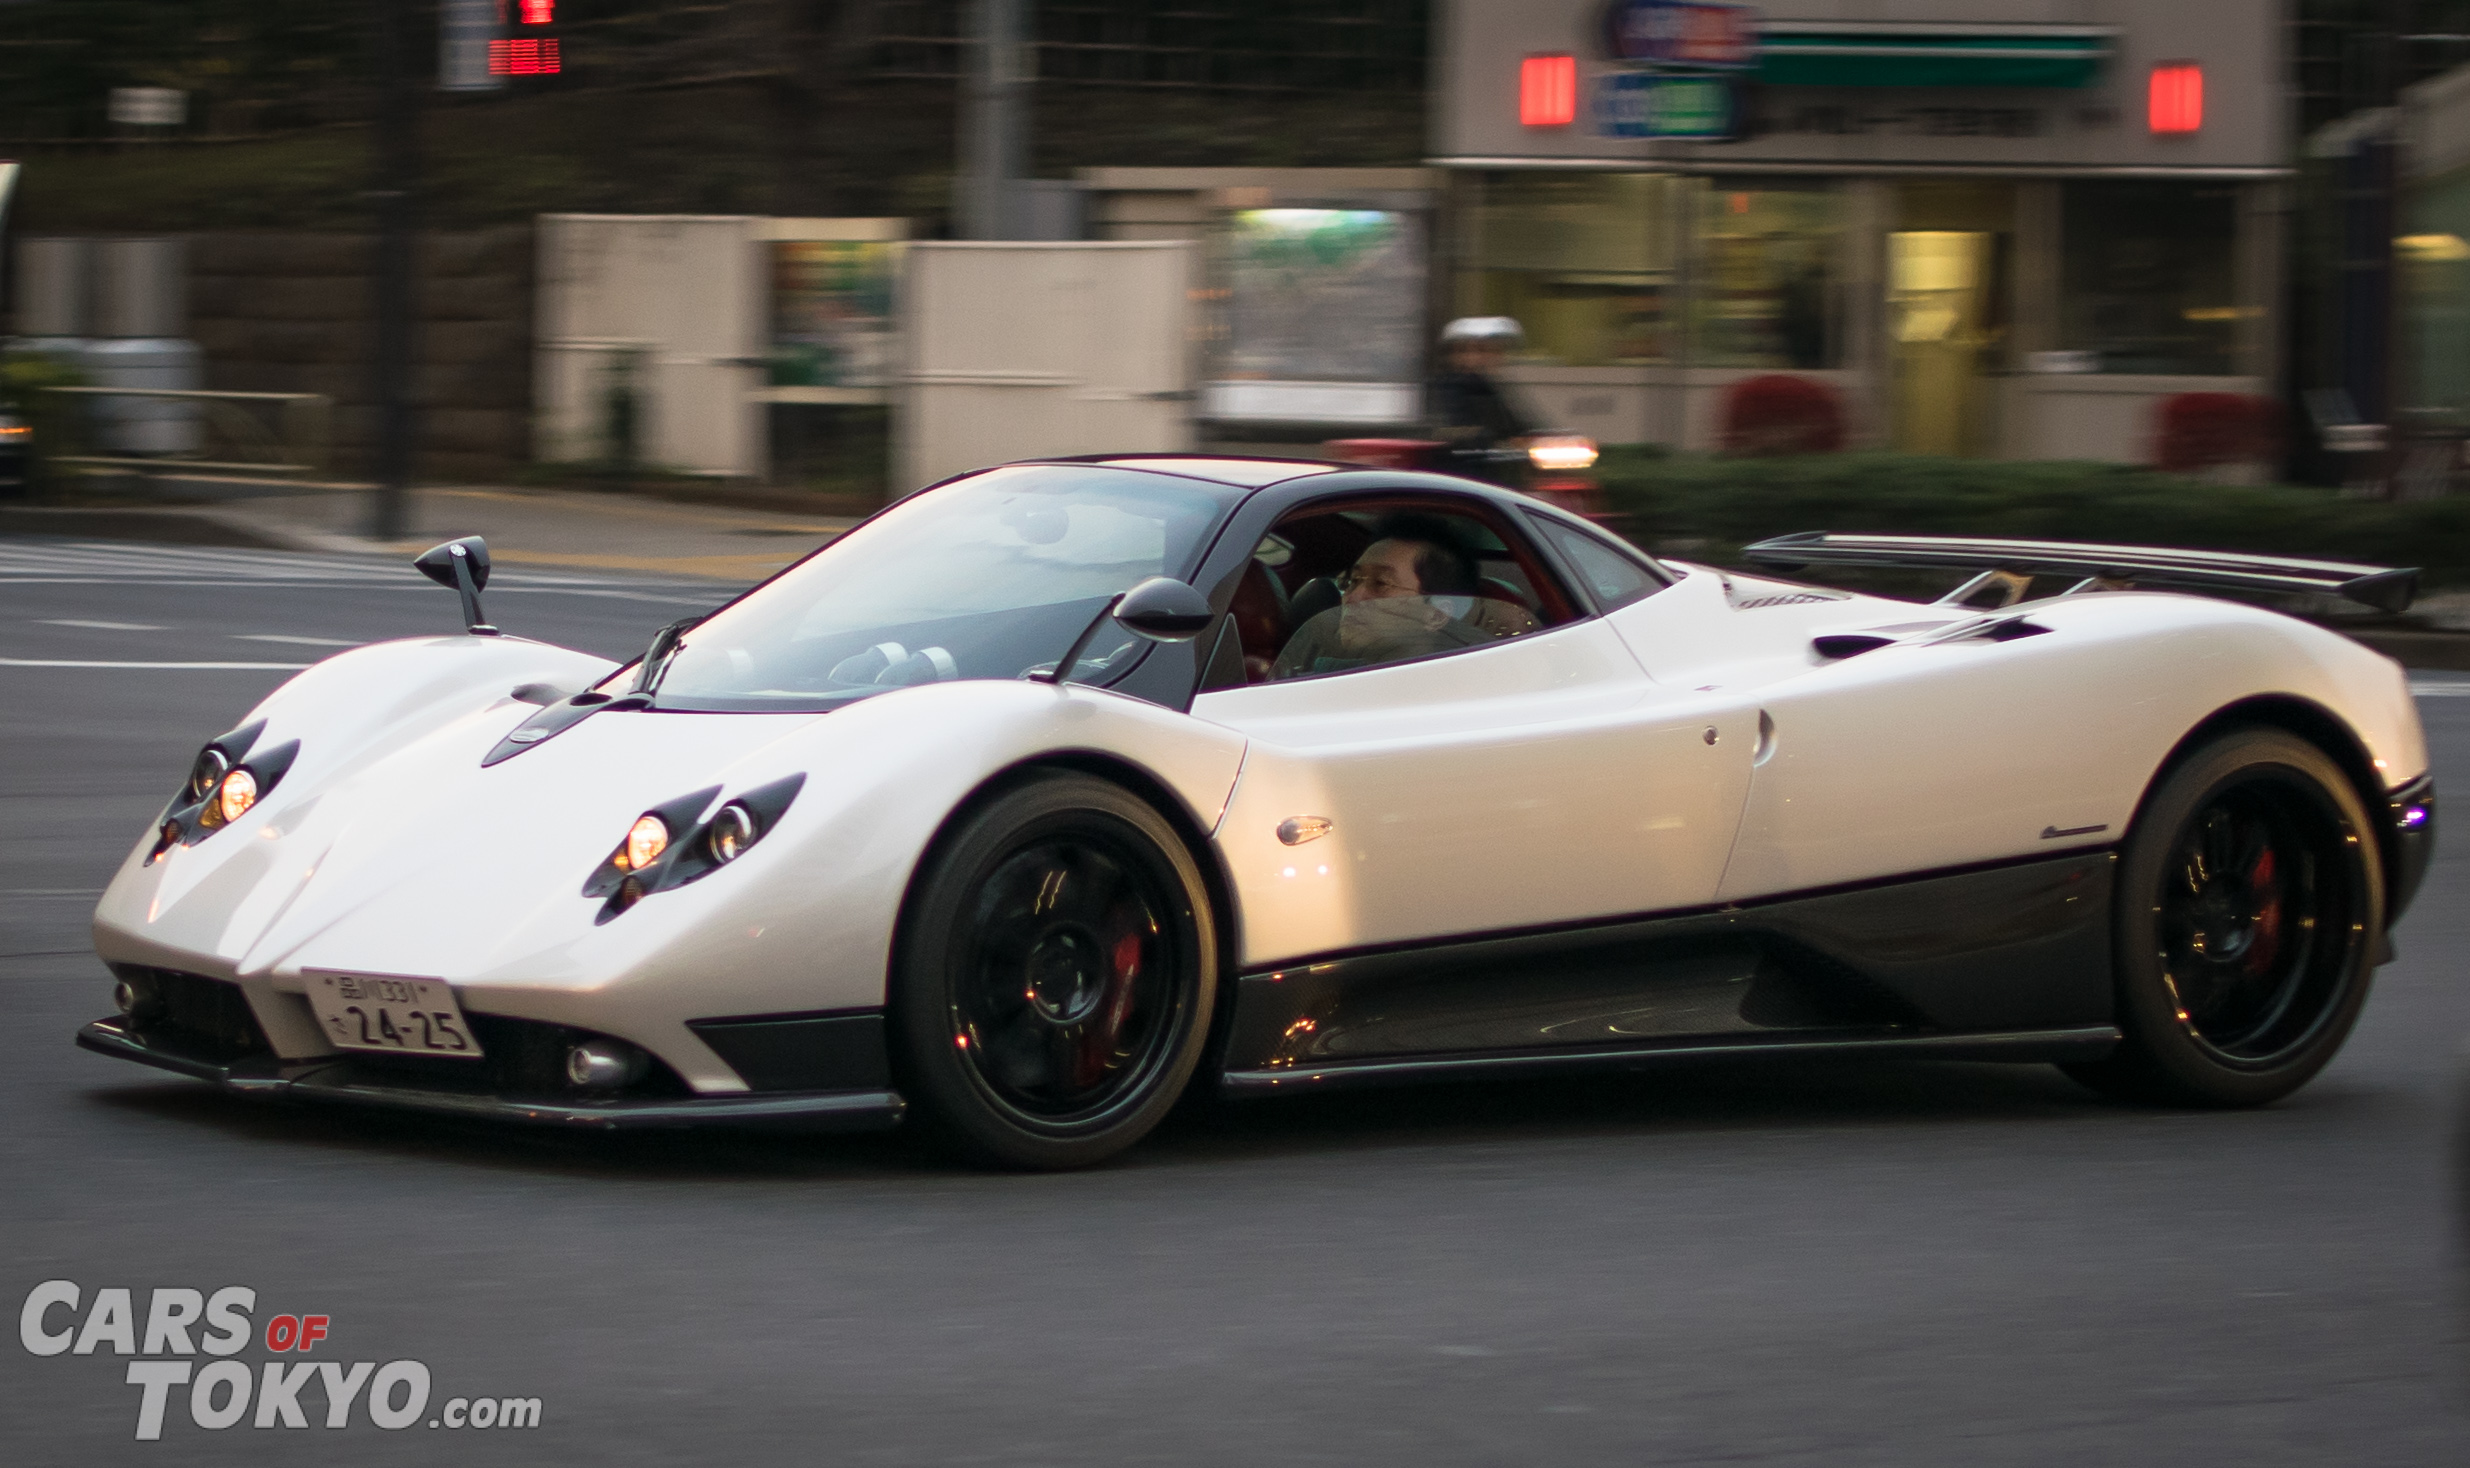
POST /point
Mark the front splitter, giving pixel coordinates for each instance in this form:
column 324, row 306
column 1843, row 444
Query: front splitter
column 327, row 1080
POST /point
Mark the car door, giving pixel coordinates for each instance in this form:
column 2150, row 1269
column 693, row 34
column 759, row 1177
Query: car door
column 1534, row 781
column 1908, row 759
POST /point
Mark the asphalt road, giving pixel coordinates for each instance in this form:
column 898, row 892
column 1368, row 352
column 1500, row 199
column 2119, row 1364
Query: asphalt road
column 1871, row 1263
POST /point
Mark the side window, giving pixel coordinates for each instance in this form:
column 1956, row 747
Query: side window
column 1338, row 589
column 1614, row 577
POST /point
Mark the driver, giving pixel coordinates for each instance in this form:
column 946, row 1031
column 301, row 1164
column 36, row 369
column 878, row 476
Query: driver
column 1405, row 597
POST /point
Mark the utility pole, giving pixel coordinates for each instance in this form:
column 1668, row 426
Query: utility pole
column 994, row 123
column 396, row 197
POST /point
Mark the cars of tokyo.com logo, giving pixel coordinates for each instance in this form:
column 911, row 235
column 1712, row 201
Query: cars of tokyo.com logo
column 180, row 1325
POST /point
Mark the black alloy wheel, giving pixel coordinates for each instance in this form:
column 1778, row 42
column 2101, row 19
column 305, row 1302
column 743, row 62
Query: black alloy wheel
column 2250, row 897
column 1055, row 977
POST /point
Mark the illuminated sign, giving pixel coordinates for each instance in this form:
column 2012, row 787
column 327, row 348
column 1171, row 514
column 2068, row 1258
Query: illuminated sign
column 1683, row 33
column 2174, row 103
column 1646, row 105
column 1548, row 91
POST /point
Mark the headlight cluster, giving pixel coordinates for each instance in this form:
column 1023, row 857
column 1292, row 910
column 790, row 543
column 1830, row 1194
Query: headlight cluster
column 230, row 777
column 672, row 844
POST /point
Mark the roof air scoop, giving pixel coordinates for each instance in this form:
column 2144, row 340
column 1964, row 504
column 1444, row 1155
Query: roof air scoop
column 463, row 566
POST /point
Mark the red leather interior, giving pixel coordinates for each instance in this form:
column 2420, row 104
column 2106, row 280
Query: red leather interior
column 1260, row 620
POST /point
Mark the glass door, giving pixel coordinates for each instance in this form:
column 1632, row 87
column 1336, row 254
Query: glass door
column 1947, row 315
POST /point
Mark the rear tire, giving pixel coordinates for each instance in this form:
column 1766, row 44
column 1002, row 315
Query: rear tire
column 1055, row 977
column 2249, row 898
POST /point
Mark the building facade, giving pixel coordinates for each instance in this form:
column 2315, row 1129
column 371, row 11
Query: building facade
column 1999, row 228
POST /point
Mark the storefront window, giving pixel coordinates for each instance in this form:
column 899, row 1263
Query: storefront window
column 2434, row 252
column 1763, row 294
column 1584, row 262
column 1587, row 265
column 2148, row 278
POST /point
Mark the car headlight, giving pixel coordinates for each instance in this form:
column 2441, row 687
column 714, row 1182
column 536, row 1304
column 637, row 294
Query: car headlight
column 645, row 841
column 225, row 782
column 228, row 800
column 207, row 773
column 235, row 795
column 669, row 846
column 730, row 833
column 1562, row 452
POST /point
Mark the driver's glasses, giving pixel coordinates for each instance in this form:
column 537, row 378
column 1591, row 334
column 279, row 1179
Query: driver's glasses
column 1373, row 580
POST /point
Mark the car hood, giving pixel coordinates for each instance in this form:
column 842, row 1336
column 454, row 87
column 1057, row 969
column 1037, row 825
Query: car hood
column 389, row 848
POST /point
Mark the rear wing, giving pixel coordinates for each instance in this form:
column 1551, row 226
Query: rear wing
column 2384, row 588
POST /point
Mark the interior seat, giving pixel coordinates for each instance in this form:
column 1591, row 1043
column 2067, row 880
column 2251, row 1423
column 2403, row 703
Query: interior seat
column 1312, row 598
column 1261, row 619
column 1493, row 588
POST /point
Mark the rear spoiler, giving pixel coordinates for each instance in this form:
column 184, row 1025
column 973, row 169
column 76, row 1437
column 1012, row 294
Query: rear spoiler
column 2384, row 588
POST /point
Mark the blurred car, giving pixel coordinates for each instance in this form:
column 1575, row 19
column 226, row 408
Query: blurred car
column 1056, row 789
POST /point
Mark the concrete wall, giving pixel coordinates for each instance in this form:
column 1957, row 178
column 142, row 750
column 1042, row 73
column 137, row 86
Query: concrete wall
column 292, row 313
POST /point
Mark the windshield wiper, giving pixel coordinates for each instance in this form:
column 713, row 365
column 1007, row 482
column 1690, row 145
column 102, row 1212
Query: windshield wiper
column 665, row 644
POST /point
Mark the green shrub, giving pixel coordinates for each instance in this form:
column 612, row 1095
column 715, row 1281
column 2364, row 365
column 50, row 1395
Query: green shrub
column 1727, row 503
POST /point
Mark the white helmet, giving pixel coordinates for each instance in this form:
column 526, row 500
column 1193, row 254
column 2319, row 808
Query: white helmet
column 1502, row 331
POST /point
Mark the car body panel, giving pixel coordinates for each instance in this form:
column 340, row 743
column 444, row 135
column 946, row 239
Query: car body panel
column 1448, row 817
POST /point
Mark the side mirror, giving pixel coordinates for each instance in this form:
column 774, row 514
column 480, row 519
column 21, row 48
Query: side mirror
column 1164, row 609
column 463, row 566
column 1161, row 609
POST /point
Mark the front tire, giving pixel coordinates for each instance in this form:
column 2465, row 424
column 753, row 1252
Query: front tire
column 1055, row 976
column 2249, row 899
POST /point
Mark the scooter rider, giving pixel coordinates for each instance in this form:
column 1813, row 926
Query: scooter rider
column 1469, row 411
column 1468, row 406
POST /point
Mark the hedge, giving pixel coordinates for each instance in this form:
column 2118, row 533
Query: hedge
column 1725, row 503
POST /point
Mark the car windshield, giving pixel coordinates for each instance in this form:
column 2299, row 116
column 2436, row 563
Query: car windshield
column 986, row 577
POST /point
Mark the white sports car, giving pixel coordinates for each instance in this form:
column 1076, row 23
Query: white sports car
column 1055, row 787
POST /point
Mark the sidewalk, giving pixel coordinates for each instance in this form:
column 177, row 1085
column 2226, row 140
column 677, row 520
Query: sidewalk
column 550, row 528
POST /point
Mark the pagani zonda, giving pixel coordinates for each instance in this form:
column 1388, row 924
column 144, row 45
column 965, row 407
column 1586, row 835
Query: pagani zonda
column 1057, row 789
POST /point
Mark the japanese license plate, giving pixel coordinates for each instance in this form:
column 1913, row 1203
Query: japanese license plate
column 401, row 1016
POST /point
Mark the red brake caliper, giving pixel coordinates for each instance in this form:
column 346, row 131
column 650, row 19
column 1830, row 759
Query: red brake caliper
column 1098, row 1036
column 2267, row 944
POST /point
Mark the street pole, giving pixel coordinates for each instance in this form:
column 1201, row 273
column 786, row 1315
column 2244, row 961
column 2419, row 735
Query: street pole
column 994, row 128
column 395, row 195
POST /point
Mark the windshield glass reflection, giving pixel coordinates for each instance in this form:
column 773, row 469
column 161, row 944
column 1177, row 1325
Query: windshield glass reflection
column 987, row 577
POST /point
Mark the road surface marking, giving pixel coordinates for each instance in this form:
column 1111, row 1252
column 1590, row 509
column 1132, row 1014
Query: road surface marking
column 100, row 626
column 302, row 641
